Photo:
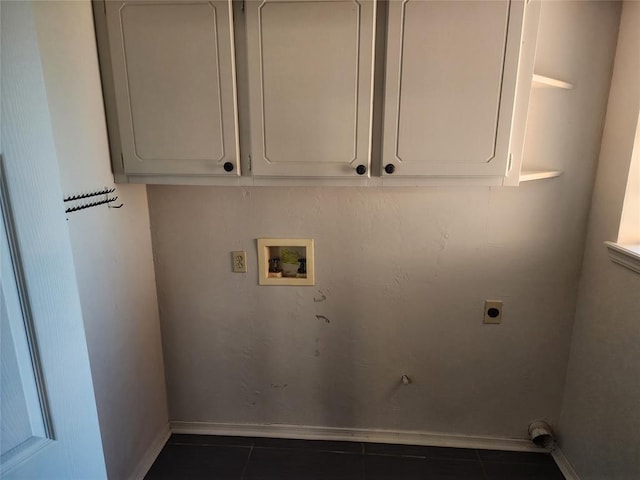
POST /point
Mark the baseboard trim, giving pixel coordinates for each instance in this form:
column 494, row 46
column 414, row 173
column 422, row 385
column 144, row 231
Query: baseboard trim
column 151, row 454
column 564, row 465
column 356, row 434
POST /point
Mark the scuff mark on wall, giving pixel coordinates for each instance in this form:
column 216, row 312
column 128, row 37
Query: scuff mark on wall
column 322, row 317
column 442, row 240
column 321, row 298
column 279, row 386
column 400, row 276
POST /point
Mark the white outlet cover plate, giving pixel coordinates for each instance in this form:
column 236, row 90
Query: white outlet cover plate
column 239, row 261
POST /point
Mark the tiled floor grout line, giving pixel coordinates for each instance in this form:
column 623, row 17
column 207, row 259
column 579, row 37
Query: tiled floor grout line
column 207, row 445
column 397, row 455
column 344, row 452
column 246, row 464
column 484, row 472
column 491, row 462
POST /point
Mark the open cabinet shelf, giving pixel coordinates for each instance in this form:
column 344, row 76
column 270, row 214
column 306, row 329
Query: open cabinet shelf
column 529, row 175
column 527, row 172
column 540, row 81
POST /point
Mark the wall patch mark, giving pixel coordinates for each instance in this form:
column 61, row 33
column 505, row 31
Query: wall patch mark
column 321, row 298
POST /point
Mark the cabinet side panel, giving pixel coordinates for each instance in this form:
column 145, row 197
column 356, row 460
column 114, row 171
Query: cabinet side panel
column 523, row 92
column 108, row 89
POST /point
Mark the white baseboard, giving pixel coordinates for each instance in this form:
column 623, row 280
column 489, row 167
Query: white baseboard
column 356, row 435
column 564, row 465
column 151, row 454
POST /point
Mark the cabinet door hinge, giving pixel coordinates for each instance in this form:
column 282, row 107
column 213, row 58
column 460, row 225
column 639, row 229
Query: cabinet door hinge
column 510, row 163
column 250, row 165
column 122, row 161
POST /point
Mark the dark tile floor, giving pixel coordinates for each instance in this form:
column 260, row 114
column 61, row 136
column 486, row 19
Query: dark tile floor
column 240, row 458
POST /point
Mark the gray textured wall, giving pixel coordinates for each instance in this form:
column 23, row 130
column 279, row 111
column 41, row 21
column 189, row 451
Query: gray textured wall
column 404, row 271
column 600, row 421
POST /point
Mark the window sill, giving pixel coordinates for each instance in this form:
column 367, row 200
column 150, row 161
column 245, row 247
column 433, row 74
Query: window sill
column 625, row 255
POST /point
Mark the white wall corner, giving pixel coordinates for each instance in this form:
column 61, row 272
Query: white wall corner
column 564, row 465
column 151, row 454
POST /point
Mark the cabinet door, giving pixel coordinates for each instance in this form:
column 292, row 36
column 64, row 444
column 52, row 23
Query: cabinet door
column 310, row 86
column 174, row 82
column 450, row 86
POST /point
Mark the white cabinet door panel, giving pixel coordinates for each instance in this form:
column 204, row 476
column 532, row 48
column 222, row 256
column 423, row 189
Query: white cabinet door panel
column 450, row 84
column 174, row 79
column 310, row 81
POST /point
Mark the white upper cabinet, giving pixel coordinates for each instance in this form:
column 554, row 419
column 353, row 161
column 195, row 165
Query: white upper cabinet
column 310, row 69
column 450, row 85
column 453, row 90
column 173, row 83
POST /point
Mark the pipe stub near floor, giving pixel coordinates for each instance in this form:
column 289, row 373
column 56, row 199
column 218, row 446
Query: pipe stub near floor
column 541, row 433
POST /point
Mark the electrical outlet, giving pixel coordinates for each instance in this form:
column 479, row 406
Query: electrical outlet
column 492, row 311
column 239, row 260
